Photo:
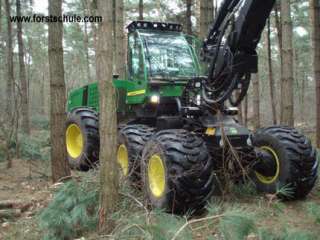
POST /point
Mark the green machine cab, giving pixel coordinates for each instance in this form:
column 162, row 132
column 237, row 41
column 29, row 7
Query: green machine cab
column 161, row 60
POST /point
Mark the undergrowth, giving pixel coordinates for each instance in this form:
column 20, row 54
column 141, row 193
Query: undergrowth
column 286, row 234
column 314, row 212
column 40, row 122
column 35, row 147
column 72, row 211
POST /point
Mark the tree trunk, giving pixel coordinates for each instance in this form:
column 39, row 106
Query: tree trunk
column 141, row 10
column 23, row 79
column 240, row 107
column 256, row 101
column 303, row 89
column 271, row 79
column 42, row 95
column 215, row 8
column 188, row 17
column 245, row 111
column 10, row 71
column 86, row 40
column 120, row 57
column 0, row 18
column 60, row 167
column 287, row 66
column 315, row 23
column 206, row 16
column 93, row 9
column 108, row 120
column 278, row 24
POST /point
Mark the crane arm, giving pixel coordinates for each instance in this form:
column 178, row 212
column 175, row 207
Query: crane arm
column 230, row 48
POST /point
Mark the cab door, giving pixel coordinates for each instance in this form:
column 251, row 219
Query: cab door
column 136, row 70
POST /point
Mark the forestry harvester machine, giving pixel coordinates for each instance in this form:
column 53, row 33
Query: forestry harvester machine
column 179, row 136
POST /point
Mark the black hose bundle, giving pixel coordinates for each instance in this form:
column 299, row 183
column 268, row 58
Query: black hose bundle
column 222, row 79
column 230, row 49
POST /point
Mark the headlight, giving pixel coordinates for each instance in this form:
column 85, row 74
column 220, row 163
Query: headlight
column 198, row 100
column 155, row 99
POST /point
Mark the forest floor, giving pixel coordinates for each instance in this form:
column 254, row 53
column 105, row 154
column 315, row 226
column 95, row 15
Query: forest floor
column 25, row 188
column 34, row 191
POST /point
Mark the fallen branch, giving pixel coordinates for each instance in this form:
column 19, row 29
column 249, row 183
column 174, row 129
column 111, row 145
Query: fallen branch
column 10, row 213
column 12, row 204
column 6, row 204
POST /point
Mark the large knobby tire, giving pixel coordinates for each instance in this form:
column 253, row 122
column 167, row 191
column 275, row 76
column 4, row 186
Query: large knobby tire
column 82, row 138
column 131, row 141
column 177, row 171
column 295, row 162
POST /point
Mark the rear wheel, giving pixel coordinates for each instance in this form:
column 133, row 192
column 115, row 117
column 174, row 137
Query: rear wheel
column 131, row 141
column 82, row 138
column 288, row 163
column 177, row 171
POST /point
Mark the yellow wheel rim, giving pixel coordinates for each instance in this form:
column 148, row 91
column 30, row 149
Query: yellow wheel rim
column 272, row 179
column 74, row 141
column 156, row 176
column 123, row 159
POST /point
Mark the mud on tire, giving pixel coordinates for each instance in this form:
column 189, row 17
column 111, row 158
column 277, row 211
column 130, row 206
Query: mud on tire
column 87, row 121
column 297, row 158
column 189, row 177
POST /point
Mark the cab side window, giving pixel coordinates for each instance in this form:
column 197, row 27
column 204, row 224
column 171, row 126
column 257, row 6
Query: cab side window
column 136, row 69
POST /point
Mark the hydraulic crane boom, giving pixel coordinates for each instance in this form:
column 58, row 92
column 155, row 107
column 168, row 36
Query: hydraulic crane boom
column 230, row 49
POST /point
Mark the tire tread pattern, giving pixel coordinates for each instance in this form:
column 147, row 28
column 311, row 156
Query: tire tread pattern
column 135, row 137
column 301, row 155
column 189, row 166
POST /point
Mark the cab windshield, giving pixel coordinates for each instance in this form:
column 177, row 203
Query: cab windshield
column 168, row 55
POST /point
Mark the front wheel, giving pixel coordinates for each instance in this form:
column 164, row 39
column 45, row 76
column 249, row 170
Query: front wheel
column 82, row 138
column 287, row 162
column 177, row 171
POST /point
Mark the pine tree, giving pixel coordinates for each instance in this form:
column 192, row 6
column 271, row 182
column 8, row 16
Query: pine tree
column 287, row 110
column 120, row 56
column 60, row 167
column 315, row 24
column 271, row 78
column 23, row 78
column 141, row 10
column 206, row 16
column 188, row 16
column 86, row 39
column 10, row 67
column 256, row 101
column 108, row 118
